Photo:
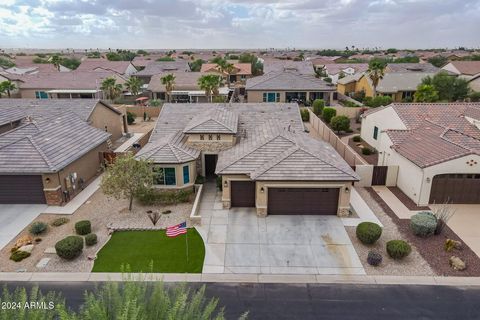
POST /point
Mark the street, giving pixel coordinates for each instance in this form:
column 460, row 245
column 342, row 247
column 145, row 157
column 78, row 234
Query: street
column 320, row 301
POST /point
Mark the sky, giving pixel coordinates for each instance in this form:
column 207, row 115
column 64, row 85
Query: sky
column 163, row 24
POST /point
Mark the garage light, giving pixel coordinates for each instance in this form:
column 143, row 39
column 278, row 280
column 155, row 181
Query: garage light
column 428, row 180
column 225, row 183
column 347, row 190
column 262, row 190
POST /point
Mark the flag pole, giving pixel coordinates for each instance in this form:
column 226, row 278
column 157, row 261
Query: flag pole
column 186, row 242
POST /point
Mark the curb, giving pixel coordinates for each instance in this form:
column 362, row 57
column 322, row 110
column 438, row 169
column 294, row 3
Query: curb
column 239, row 278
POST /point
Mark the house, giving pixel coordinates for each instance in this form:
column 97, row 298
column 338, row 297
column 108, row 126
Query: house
column 158, row 67
column 66, row 85
column 265, row 158
column 287, row 86
column 49, row 150
column 338, row 70
column 239, row 73
column 302, row 67
column 348, row 84
column 435, row 145
column 124, row 68
column 411, row 67
column 468, row 70
column 15, row 79
column 186, row 88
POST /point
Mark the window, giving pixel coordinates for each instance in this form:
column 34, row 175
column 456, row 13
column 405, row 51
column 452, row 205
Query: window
column 271, row 97
column 202, row 137
column 375, row 133
column 186, row 175
column 164, row 176
column 219, row 137
column 210, row 137
column 41, row 95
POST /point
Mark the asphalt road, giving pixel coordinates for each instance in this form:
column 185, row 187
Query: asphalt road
column 322, row 301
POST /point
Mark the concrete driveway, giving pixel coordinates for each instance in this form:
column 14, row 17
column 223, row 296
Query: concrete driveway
column 466, row 224
column 15, row 217
column 237, row 241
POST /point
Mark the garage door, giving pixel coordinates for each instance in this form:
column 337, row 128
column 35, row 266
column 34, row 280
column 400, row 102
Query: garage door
column 456, row 188
column 243, row 193
column 309, row 201
column 21, row 190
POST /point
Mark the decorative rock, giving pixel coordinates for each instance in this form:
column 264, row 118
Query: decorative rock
column 24, row 240
column 50, row 250
column 454, row 244
column 27, row 248
column 457, row 263
column 42, row 263
column 91, row 258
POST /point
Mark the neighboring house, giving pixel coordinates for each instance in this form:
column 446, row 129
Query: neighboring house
column 186, row 87
column 287, row 86
column 335, row 70
column 435, row 145
column 49, row 152
column 302, row 67
column 468, row 70
column 15, row 79
column 66, row 85
column 410, row 67
column 239, row 74
column 158, row 67
column 348, row 84
column 124, row 68
column 261, row 151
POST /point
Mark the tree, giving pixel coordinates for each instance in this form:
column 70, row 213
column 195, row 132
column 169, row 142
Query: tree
column 70, row 63
column 133, row 84
column 7, row 86
column 340, row 123
column 169, row 82
column 196, row 65
column 257, row 66
column 328, row 114
column 426, row 93
column 56, row 61
column 376, row 71
column 317, row 106
column 111, row 88
column 438, row 61
column 210, row 83
column 449, row 88
column 126, row 177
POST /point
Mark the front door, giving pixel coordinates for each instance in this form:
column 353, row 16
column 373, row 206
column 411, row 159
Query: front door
column 210, row 165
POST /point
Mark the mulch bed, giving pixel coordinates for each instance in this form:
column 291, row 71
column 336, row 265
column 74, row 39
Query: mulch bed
column 371, row 159
column 432, row 248
column 406, row 200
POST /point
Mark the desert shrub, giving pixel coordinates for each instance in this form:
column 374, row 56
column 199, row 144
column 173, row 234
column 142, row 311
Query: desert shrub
column 59, row 221
column 474, row 97
column 130, row 117
column 70, row 247
column 83, row 227
column 317, row 106
column 151, row 196
column 305, row 115
column 366, row 151
column 423, row 224
column 18, row 256
column 368, row 232
column 38, row 228
column 328, row 114
column 378, row 101
column 357, row 139
column 340, row 123
column 374, row 258
column 200, row 180
column 91, row 239
column 443, row 213
column 398, row 249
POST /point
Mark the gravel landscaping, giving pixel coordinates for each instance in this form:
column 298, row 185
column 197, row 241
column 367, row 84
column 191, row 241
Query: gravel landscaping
column 412, row 265
column 101, row 211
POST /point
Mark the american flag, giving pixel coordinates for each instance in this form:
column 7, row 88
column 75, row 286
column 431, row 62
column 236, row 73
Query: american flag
column 177, row 229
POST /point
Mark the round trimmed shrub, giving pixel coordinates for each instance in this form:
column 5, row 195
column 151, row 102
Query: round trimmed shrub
column 18, row 256
column 91, row 239
column 423, row 224
column 38, row 228
column 357, row 139
column 83, row 227
column 368, row 232
column 398, row 249
column 70, row 247
column 374, row 258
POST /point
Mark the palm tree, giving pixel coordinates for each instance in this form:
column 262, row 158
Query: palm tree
column 55, row 60
column 169, row 82
column 7, row 86
column 210, row 83
column 111, row 88
column 376, row 71
column 133, row 84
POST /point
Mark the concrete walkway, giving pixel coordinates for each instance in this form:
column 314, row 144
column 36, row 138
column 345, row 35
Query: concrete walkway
column 76, row 202
column 394, row 203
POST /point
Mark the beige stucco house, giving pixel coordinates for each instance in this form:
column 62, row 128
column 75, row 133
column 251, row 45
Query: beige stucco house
column 468, row 70
column 261, row 151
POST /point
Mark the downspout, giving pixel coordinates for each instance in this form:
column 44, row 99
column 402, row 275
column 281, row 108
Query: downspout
column 421, row 188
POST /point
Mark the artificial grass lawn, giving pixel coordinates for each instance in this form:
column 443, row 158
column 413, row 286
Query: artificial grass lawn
column 138, row 249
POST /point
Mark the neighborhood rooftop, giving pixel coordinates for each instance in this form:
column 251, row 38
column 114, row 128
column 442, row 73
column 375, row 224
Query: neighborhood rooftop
column 302, row 67
column 66, row 80
column 103, row 64
column 157, row 67
column 288, row 80
column 394, row 82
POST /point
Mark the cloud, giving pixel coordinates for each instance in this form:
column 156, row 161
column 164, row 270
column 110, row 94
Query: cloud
column 239, row 23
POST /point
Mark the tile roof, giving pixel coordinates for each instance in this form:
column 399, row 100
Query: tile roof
column 218, row 120
column 350, row 78
column 42, row 145
column 170, row 149
column 67, row 80
column 470, row 68
column 183, row 81
column 119, row 67
column 288, row 81
column 401, row 81
column 157, row 67
column 239, row 68
column 303, row 67
column 411, row 67
column 334, row 68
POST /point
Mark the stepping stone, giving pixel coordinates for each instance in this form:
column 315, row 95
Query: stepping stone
column 43, row 263
column 50, row 250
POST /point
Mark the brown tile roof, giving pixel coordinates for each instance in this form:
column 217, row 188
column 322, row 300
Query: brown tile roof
column 303, row 67
column 67, row 80
column 183, row 81
column 411, row 67
column 288, row 80
column 119, row 67
column 470, row 68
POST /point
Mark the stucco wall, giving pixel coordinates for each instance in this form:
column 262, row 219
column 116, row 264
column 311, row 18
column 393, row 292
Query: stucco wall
column 105, row 119
column 179, row 175
column 475, row 84
column 383, row 119
column 28, row 93
column 364, row 85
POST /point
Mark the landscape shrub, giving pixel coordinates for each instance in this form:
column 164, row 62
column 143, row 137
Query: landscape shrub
column 151, row 196
column 91, row 239
column 423, row 224
column 374, row 258
column 70, row 247
column 305, row 115
column 38, row 228
column 340, row 123
column 366, row 151
column 398, row 249
column 19, row 255
column 130, row 117
column 368, row 232
column 59, row 221
column 474, row 97
column 357, row 139
column 200, row 180
column 318, row 105
column 378, row 101
column 83, row 227
column 328, row 114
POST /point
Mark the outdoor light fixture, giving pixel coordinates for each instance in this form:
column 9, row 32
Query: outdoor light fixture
column 225, row 183
column 347, row 190
column 262, row 190
column 47, row 180
column 428, row 180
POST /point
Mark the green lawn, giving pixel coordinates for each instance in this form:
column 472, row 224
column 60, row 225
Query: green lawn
column 138, row 249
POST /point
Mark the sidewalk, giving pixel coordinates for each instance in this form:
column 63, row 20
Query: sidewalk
column 394, row 203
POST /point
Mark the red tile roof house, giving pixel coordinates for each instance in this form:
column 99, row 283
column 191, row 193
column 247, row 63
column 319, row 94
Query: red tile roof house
column 435, row 145
column 124, row 68
column 239, row 74
column 468, row 70
column 51, row 148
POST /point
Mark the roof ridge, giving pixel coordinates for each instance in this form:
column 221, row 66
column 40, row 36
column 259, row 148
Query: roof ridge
column 40, row 151
column 273, row 74
column 268, row 165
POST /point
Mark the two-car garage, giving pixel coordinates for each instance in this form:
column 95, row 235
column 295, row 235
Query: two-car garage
column 21, row 189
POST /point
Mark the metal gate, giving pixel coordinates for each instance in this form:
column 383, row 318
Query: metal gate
column 379, row 177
